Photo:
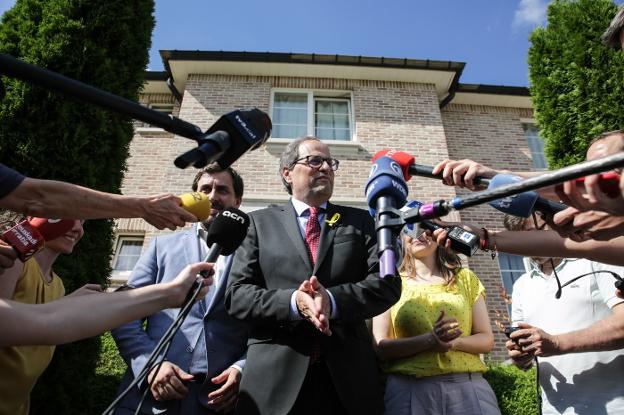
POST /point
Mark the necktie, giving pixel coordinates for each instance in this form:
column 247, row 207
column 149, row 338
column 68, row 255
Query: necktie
column 313, row 234
column 312, row 239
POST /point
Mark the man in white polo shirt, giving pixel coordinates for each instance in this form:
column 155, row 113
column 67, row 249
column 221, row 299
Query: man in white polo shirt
column 576, row 339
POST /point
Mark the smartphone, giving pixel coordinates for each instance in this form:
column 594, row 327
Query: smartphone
column 509, row 330
column 609, row 183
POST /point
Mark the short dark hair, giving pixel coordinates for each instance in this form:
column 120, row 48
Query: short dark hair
column 237, row 181
column 611, row 36
column 290, row 155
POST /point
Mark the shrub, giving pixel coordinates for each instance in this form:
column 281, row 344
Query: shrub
column 47, row 135
column 515, row 389
column 575, row 80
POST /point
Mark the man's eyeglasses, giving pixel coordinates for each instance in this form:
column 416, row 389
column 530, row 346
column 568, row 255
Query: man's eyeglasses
column 316, row 162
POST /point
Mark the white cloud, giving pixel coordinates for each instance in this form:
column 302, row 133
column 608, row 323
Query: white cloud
column 530, row 13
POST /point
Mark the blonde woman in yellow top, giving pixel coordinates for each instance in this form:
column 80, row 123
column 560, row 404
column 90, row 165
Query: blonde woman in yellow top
column 430, row 340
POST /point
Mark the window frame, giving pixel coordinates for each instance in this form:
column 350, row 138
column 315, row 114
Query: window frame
column 311, row 96
column 530, row 122
column 119, row 240
column 526, row 263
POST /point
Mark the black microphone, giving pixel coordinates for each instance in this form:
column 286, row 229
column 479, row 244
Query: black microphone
column 229, row 138
column 226, row 233
column 462, row 241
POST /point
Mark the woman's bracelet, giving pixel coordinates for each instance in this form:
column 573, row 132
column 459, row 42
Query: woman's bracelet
column 485, row 243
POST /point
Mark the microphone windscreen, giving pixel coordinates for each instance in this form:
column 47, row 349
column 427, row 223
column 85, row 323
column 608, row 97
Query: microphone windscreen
column 51, row 228
column 228, row 230
column 379, row 154
column 386, row 179
column 248, row 129
column 197, row 203
column 404, row 160
column 29, row 236
column 522, row 204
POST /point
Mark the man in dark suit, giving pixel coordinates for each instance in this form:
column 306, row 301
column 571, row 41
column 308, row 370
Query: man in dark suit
column 306, row 278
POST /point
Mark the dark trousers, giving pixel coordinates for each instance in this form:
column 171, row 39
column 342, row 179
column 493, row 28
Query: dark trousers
column 318, row 395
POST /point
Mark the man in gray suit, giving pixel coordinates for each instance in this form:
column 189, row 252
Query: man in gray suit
column 306, row 277
column 204, row 366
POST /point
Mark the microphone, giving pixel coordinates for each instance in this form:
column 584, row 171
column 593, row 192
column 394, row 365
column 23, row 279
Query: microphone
column 229, row 138
column 386, row 190
column 226, row 233
column 409, row 168
column 521, row 204
column 462, row 241
column 29, row 236
column 197, row 203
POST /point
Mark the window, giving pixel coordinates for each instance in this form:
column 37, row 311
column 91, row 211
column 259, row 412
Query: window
column 325, row 115
column 511, row 267
column 127, row 253
column 536, row 145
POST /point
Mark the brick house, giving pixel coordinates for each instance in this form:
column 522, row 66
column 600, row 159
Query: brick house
column 359, row 105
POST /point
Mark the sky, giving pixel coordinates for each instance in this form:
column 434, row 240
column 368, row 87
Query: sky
column 490, row 36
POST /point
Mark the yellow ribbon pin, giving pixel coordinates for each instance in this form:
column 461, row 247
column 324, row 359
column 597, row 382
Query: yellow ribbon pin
column 335, row 218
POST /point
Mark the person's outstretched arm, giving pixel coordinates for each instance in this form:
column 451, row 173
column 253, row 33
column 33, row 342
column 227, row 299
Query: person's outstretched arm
column 78, row 317
column 55, row 199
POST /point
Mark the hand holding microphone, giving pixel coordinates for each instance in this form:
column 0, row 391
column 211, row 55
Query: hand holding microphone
column 453, row 237
column 463, row 173
column 169, row 211
column 7, row 256
column 601, row 192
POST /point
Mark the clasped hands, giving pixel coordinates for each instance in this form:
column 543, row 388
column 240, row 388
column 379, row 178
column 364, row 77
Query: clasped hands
column 314, row 304
column 444, row 333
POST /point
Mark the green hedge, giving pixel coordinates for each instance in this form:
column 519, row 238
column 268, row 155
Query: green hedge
column 514, row 388
column 576, row 81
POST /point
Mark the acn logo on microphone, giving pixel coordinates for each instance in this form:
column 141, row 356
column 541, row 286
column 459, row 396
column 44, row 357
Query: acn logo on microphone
column 234, row 216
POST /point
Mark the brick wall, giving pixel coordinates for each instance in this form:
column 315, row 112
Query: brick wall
column 494, row 137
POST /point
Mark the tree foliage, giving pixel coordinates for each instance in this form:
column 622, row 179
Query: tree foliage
column 47, row 135
column 576, row 81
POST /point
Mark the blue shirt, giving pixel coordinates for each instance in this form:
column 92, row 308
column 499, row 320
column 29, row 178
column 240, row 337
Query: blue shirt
column 9, row 180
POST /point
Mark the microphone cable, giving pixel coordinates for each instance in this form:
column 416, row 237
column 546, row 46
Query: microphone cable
column 164, row 343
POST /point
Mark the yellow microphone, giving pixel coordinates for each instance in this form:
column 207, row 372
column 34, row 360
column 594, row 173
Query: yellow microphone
column 196, row 203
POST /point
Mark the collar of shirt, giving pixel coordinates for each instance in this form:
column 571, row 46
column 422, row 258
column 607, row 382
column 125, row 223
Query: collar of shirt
column 303, row 213
column 201, row 232
column 537, row 272
column 302, row 208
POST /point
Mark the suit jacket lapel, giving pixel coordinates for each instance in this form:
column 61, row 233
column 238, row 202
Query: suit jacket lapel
column 191, row 246
column 327, row 236
column 291, row 225
column 192, row 253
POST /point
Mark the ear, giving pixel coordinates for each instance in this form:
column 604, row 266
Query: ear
column 238, row 202
column 286, row 175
